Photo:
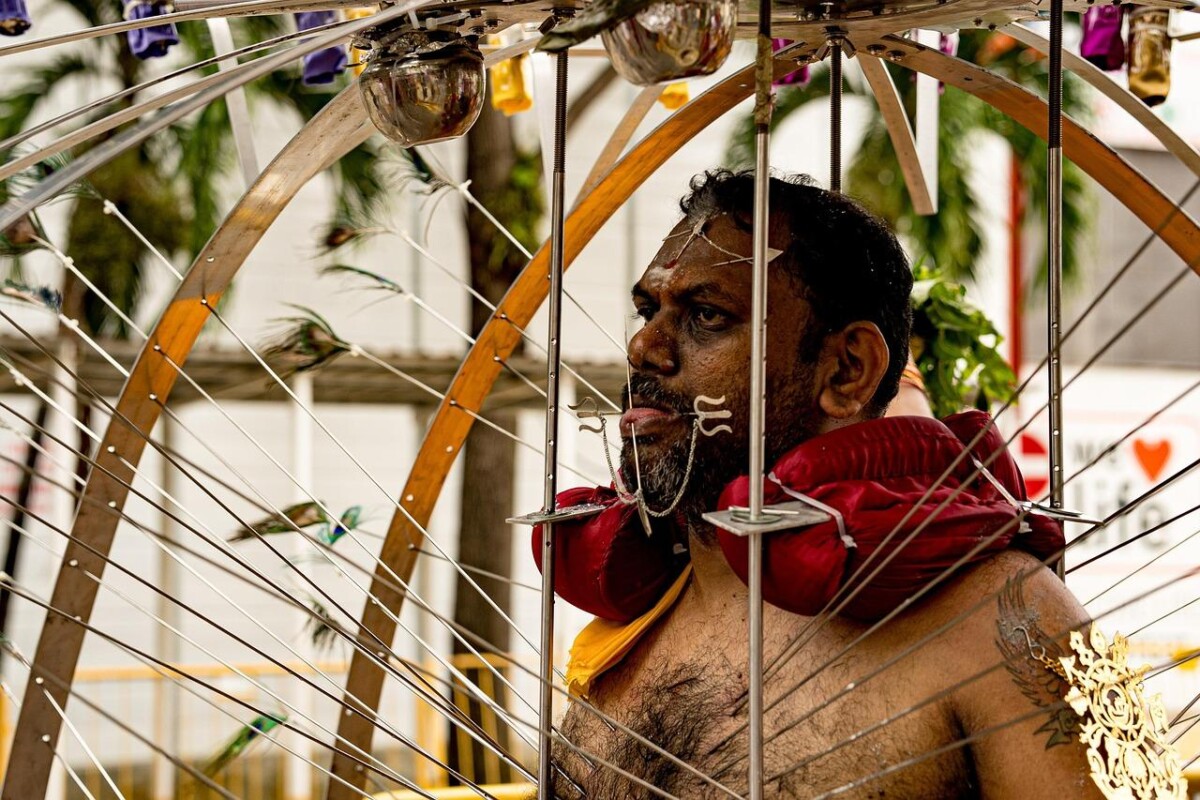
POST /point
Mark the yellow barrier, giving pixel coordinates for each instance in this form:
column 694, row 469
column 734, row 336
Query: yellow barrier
column 500, row 791
column 5, row 732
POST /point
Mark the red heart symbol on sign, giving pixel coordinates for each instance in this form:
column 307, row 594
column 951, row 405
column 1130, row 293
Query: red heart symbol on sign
column 1152, row 456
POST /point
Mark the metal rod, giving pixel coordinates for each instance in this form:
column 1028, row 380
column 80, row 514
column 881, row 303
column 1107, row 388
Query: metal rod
column 764, row 74
column 1054, row 165
column 835, row 116
column 553, row 364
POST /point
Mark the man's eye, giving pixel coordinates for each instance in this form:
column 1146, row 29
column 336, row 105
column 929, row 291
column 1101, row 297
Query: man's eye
column 709, row 316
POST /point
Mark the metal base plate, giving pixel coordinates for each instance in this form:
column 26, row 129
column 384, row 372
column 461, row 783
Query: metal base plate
column 557, row 515
column 781, row 517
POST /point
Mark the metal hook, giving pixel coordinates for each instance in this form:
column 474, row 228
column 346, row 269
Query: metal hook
column 717, row 412
column 587, row 409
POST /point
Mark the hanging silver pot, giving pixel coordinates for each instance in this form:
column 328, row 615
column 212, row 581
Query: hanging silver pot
column 671, row 40
column 423, row 86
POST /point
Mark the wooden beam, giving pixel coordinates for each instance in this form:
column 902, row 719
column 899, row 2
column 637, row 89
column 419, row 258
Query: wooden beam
column 900, row 131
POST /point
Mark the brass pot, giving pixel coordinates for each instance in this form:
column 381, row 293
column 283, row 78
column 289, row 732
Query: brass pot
column 672, row 40
column 422, row 87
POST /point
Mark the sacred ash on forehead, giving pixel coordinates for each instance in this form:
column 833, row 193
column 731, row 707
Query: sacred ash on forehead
column 697, row 233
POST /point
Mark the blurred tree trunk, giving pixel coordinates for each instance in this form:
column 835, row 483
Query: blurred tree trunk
column 494, row 168
column 507, row 181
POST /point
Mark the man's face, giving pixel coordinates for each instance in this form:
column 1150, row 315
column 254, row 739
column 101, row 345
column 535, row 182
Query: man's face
column 694, row 301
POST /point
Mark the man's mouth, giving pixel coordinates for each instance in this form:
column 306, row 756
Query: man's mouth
column 647, row 420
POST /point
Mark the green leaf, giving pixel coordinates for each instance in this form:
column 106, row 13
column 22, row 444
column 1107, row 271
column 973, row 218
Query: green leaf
column 955, row 348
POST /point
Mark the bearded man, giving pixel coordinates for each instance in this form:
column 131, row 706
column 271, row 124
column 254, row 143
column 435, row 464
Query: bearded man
column 950, row 695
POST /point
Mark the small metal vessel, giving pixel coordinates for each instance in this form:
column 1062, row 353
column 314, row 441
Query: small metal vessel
column 672, row 40
column 423, row 86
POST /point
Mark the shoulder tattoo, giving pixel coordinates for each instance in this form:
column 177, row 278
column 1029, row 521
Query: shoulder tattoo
column 1018, row 636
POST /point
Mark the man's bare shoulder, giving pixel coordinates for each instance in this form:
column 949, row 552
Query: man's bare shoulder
column 1006, row 584
column 1004, row 619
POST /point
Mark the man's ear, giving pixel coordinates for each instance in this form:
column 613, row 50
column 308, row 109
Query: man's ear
column 857, row 359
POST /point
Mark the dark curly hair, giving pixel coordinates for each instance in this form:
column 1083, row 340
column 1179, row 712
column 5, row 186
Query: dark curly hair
column 845, row 261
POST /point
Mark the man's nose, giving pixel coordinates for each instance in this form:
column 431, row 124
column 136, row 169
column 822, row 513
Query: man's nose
column 653, row 350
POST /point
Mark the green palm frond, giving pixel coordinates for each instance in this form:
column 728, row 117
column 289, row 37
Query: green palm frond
column 203, row 149
column 109, row 254
column 17, row 106
column 169, row 188
column 950, row 239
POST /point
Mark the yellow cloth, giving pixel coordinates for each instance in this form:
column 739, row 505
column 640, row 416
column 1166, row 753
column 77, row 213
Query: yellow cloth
column 603, row 644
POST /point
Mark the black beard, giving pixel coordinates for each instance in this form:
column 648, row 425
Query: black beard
column 716, row 464
column 719, row 459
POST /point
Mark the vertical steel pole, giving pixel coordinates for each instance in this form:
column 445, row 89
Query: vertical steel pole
column 164, row 775
column 294, row 771
column 553, row 365
column 835, row 117
column 764, row 73
column 1054, row 249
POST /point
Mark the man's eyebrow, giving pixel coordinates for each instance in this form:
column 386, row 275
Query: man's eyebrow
column 709, row 289
column 638, row 293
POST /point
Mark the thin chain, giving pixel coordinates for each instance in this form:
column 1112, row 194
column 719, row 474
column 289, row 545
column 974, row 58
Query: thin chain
column 636, row 497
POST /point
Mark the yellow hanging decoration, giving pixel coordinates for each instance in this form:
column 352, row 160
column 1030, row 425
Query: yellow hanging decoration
column 358, row 58
column 1125, row 731
column 674, row 96
column 1149, row 54
column 509, row 92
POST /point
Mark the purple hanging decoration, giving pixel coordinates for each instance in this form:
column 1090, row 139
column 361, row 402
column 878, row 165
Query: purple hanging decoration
column 14, row 17
column 324, row 65
column 1102, row 42
column 155, row 41
column 797, row 78
column 948, row 45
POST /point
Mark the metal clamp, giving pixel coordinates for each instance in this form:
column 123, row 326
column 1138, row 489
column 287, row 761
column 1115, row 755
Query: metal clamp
column 558, row 514
column 778, row 517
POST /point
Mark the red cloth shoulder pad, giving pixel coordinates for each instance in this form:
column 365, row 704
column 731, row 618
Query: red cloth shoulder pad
column 911, row 503
column 605, row 564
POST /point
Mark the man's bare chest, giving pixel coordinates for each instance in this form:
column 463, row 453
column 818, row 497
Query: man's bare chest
column 680, row 705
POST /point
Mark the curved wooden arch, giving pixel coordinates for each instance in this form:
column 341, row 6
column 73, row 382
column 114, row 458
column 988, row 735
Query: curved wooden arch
column 340, row 127
column 480, row 367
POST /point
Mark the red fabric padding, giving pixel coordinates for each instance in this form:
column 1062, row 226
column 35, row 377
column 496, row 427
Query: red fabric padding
column 605, row 564
column 876, row 474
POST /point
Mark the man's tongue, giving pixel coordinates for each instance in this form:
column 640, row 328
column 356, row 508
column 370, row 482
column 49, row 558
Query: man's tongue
column 640, row 418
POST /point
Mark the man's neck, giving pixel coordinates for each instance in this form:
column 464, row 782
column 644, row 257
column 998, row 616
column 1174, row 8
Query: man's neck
column 714, row 582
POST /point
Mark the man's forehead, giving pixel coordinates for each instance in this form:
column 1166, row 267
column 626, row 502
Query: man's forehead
column 713, row 240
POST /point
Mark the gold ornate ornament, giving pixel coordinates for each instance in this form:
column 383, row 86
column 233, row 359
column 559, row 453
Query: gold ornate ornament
column 1123, row 728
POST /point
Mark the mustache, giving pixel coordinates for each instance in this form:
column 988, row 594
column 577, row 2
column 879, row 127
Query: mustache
column 650, row 391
